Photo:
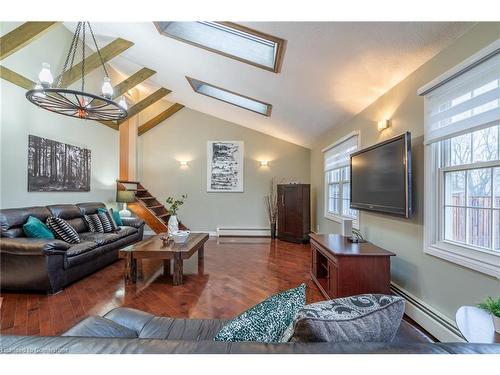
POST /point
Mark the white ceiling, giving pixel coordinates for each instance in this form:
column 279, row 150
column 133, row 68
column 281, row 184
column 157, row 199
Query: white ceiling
column 331, row 70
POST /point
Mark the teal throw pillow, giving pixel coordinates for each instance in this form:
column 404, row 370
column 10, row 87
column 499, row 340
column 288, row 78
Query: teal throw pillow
column 114, row 214
column 35, row 228
column 267, row 321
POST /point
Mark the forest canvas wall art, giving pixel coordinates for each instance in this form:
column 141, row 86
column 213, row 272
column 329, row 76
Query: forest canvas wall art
column 225, row 166
column 56, row 166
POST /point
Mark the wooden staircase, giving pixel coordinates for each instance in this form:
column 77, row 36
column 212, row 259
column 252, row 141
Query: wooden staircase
column 147, row 207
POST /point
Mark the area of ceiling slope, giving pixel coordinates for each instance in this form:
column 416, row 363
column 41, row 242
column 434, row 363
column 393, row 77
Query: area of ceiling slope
column 331, row 70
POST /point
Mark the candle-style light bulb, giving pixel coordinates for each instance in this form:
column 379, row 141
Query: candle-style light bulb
column 107, row 89
column 123, row 103
column 45, row 76
column 39, row 89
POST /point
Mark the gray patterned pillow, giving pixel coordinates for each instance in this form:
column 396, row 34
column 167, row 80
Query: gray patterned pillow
column 362, row 318
column 267, row 321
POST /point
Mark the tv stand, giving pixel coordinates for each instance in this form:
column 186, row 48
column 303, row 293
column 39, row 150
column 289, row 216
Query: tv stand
column 341, row 268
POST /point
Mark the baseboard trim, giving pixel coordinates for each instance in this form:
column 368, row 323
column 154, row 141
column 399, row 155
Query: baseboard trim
column 242, row 232
column 211, row 233
column 434, row 322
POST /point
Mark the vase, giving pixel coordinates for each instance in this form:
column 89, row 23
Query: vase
column 496, row 323
column 273, row 231
column 173, row 224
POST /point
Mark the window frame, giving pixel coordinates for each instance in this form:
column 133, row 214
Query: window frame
column 193, row 82
column 338, row 218
column 279, row 51
column 470, row 256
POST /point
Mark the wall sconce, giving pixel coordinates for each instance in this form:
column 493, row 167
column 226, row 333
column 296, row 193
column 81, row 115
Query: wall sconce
column 264, row 163
column 183, row 163
column 384, row 124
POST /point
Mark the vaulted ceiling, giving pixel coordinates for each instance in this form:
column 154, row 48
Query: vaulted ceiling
column 331, row 70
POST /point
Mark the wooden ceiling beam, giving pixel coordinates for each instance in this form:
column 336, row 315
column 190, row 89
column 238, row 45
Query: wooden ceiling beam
column 110, row 124
column 22, row 36
column 16, row 79
column 174, row 108
column 132, row 81
column 146, row 102
column 141, row 105
column 92, row 62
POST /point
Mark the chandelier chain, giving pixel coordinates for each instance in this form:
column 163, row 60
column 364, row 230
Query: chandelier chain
column 98, row 50
column 83, row 59
column 71, row 53
column 75, row 47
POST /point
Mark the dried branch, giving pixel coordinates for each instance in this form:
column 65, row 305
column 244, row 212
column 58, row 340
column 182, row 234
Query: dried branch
column 271, row 202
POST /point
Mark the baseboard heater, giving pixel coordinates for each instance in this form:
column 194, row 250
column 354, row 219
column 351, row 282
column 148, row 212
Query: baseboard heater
column 438, row 325
column 243, row 232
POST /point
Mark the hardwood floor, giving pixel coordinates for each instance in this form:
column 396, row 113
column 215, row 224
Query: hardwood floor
column 236, row 274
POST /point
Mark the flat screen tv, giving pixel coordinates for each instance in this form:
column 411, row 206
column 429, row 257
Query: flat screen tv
column 381, row 177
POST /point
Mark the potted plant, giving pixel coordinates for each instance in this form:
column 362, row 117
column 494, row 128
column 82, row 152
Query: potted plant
column 272, row 207
column 493, row 307
column 173, row 205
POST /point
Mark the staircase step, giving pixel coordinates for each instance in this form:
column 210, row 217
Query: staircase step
column 128, row 182
column 147, row 207
column 157, row 206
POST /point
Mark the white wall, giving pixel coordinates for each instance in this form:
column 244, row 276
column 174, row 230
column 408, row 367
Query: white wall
column 19, row 118
column 184, row 136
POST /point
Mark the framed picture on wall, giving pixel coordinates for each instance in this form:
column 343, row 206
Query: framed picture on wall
column 225, row 161
column 56, row 166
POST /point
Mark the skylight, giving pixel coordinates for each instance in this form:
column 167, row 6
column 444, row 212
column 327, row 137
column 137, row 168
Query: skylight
column 230, row 97
column 229, row 39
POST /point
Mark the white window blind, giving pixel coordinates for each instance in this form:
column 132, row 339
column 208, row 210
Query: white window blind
column 339, row 155
column 467, row 102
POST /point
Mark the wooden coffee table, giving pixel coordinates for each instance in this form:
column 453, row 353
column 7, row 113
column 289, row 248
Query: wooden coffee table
column 156, row 248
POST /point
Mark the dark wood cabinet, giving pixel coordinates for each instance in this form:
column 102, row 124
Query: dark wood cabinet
column 341, row 268
column 294, row 212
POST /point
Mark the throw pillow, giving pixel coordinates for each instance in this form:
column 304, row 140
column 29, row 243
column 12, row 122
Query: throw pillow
column 116, row 217
column 106, row 224
column 63, row 230
column 110, row 218
column 362, row 318
column 35, row 228
column 267, row 321
column 94, row 223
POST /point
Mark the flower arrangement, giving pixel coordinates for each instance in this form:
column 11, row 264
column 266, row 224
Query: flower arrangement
column 174, row 204
column 492, row 306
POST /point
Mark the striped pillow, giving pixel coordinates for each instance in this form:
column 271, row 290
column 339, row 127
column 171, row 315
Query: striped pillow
column 112, row 222
column 94, row 223
column 63, row 230
column 106, row 223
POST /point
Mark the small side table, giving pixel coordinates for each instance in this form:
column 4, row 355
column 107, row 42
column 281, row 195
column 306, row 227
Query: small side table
column 476, row 325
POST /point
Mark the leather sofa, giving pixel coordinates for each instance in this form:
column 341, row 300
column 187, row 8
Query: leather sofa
column 130, row 331
column 29, row 264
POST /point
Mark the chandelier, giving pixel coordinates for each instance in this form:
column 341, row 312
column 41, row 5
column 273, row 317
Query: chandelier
column 74, row 103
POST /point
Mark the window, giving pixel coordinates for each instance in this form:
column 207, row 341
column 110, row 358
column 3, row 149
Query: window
column 337, row 179
column 230, row 97
column 231, row 40
column 462, row 171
